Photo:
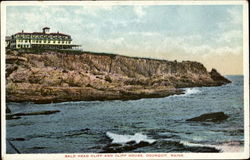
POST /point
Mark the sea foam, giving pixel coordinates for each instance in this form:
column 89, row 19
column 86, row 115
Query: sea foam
column 189, row 91
column 121, row 139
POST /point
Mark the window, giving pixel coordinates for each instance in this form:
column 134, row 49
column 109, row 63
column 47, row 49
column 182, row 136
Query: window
column 26, row 41
column 54, row 41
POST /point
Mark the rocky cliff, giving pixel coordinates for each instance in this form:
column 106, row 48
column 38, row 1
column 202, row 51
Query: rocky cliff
column 56, row 76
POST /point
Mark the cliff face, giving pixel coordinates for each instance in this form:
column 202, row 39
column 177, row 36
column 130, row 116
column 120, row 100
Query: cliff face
column 55, row 77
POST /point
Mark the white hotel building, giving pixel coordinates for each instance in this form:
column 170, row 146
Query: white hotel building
column 42, row 39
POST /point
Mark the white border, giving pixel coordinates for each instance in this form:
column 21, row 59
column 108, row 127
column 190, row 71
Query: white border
column 3, row 122
column 239, row 155
column 98, row 3
column 246, row 75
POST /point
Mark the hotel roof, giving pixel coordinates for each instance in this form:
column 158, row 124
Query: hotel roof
column 41, row 33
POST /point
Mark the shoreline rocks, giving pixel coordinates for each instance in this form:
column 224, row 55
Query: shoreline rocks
column 56, row 76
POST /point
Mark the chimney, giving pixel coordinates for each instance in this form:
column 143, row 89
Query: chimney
column 46, row 30
column 22, row 31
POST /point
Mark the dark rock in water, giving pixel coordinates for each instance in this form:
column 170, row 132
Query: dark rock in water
column 95, row 147
column 113, row 148
column 77, row 132
column 85, row 129
column 37, row 148
column 10, row 117
column 17, row 115
column 143, row 144
column 36, row 113
column 131, row 142
column 210, row 117
column 17, row 139
column 129, row 146
column 8, row 109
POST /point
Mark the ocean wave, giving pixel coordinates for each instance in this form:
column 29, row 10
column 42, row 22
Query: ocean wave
column 189, row 91
column 225, row 147
column 201, row 147
column 121, row 139
column 186, row 143
column 172, row 145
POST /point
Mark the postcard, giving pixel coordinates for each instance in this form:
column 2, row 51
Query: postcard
column 124, row 80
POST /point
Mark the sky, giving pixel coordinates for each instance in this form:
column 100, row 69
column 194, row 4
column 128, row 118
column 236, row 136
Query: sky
column 210, row 34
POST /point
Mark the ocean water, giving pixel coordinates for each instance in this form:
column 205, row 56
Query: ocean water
column 144, row 125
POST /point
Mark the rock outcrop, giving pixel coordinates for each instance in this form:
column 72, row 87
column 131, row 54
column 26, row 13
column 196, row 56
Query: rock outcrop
column 217, row 77
column 56, row 76
column 210, row 117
